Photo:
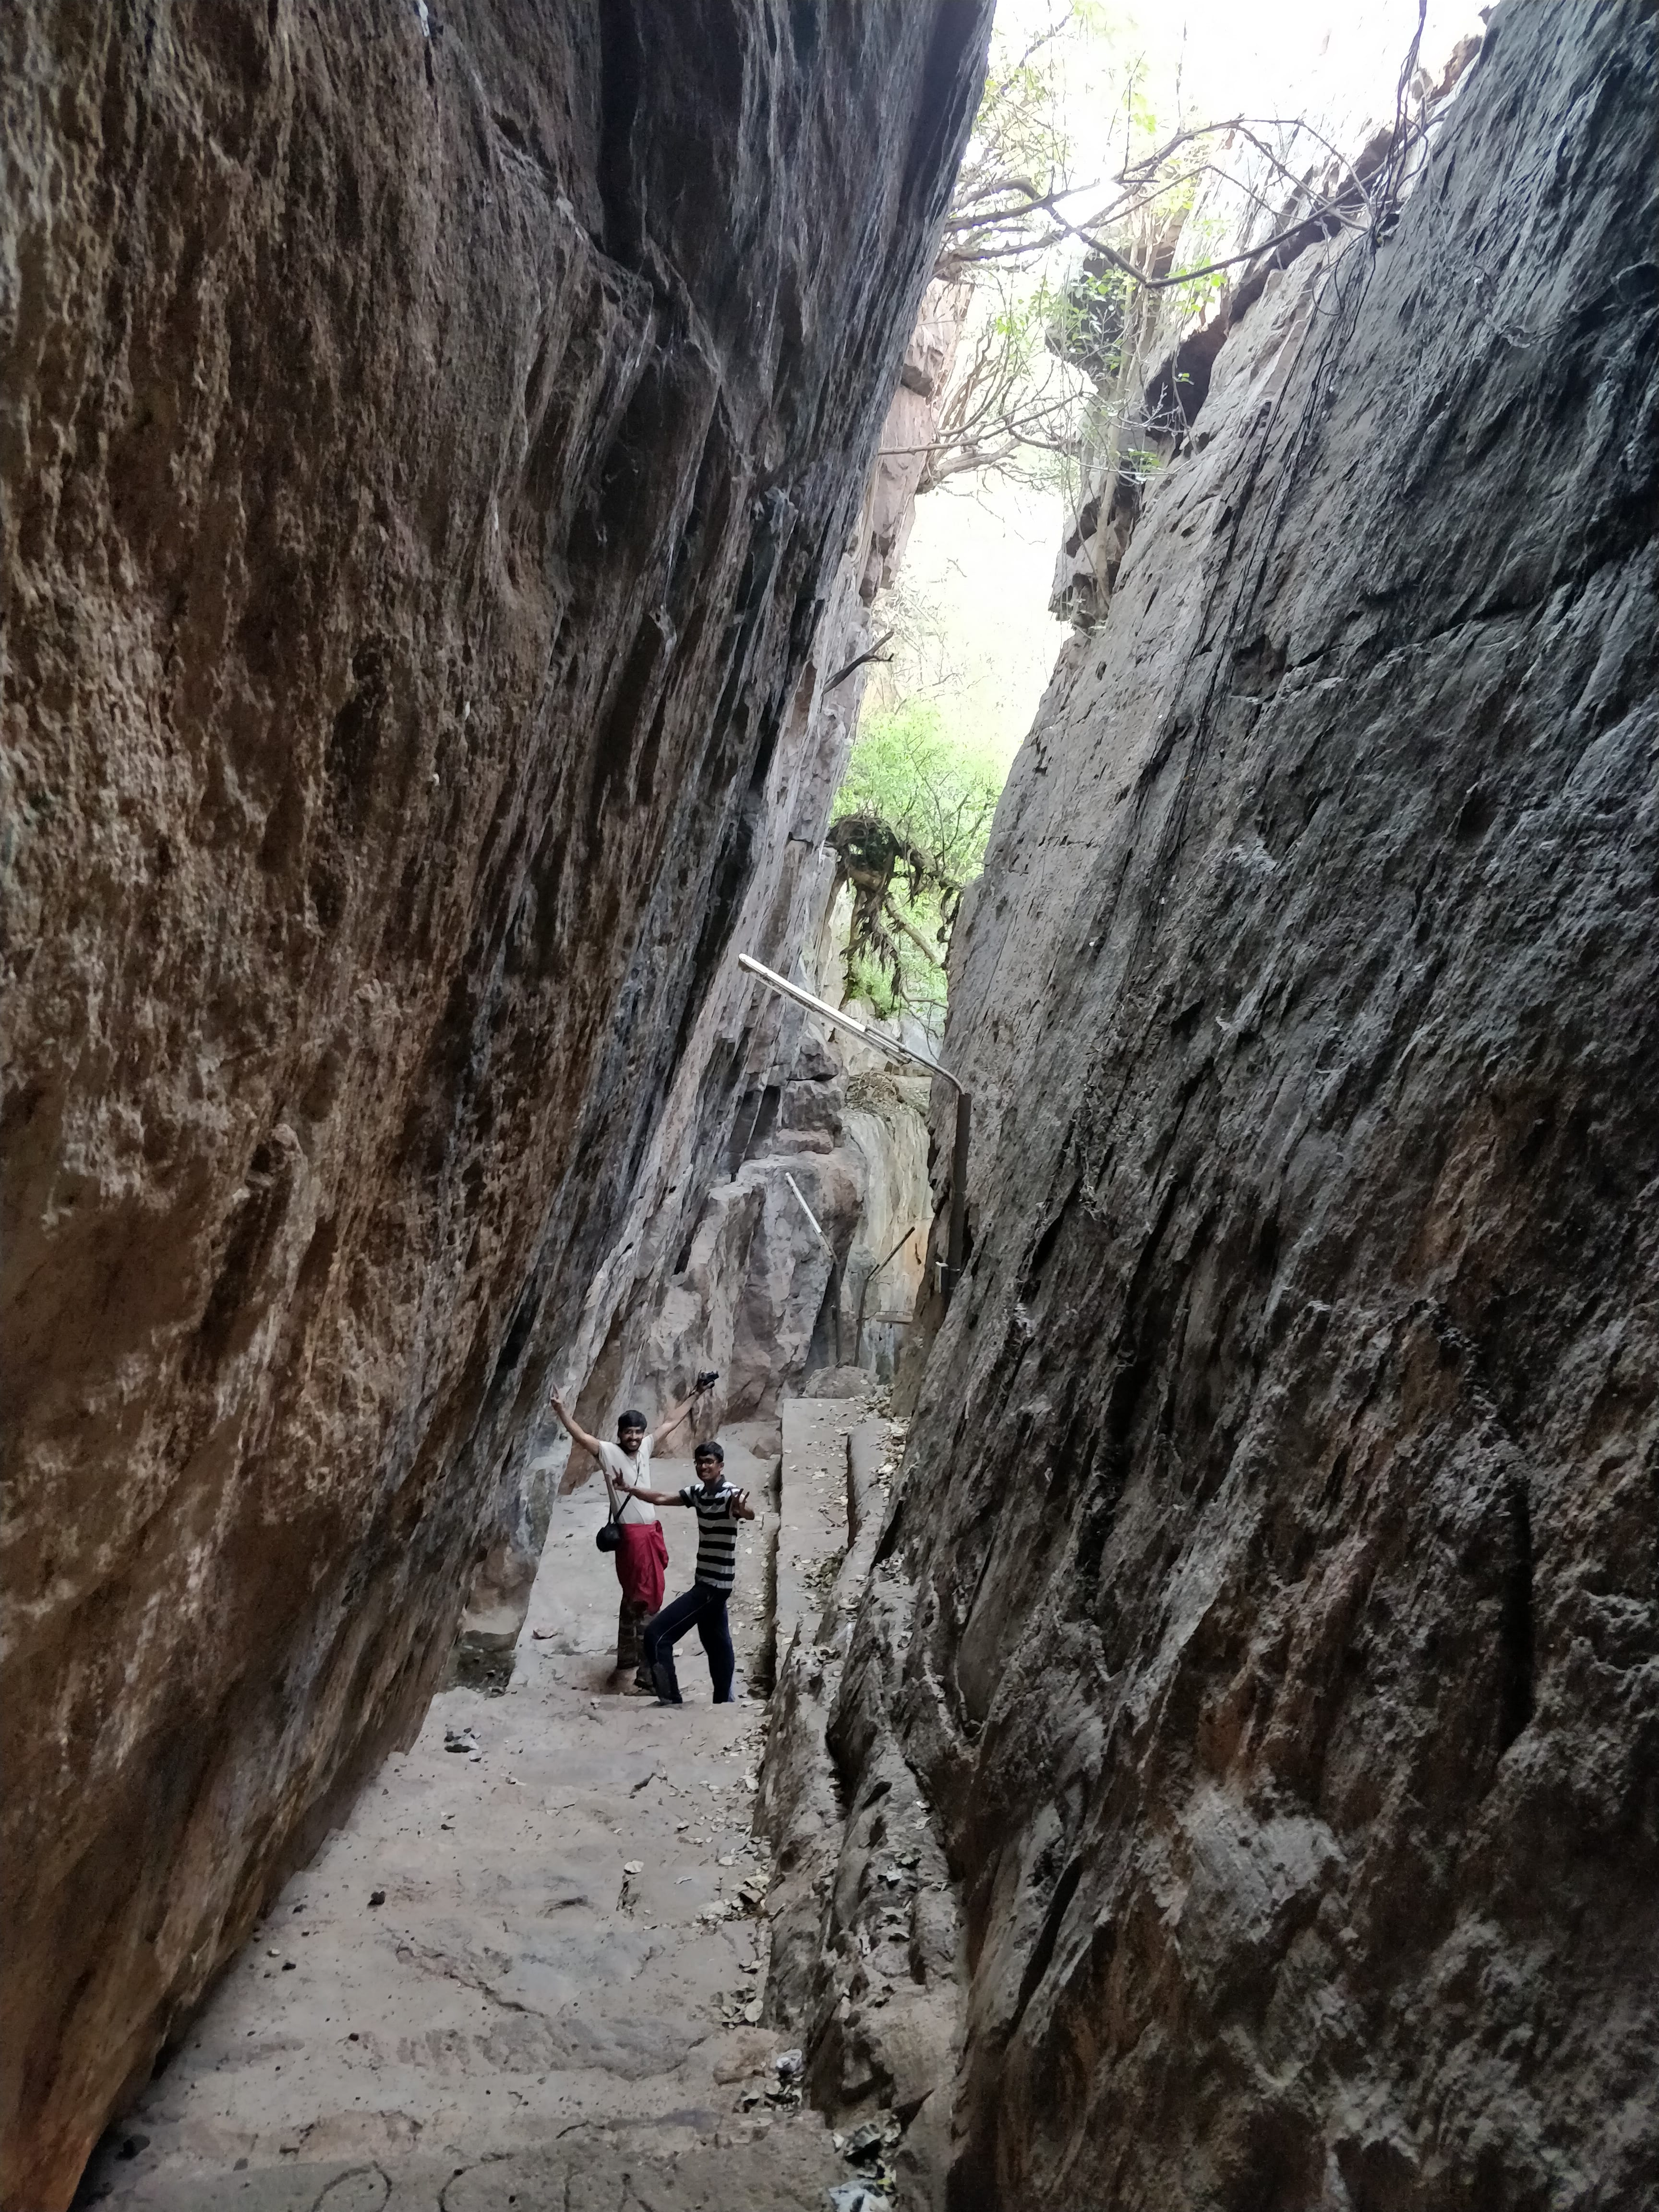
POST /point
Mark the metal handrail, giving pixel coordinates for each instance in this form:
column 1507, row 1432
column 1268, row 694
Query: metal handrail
column 957, row 1233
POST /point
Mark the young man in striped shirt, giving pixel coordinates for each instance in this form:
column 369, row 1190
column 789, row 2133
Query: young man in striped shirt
column 719, row 1509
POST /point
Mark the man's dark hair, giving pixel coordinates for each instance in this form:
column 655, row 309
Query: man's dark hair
column 630, row 1420
column 709, row 1451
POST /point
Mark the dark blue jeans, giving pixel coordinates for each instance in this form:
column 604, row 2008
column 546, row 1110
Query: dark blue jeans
column 707, row 1607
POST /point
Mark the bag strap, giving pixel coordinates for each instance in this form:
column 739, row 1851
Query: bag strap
column 611, row 1492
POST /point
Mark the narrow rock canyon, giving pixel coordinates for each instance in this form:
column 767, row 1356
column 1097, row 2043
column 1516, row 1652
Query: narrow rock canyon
column 1205, row 1757
column 432, row 439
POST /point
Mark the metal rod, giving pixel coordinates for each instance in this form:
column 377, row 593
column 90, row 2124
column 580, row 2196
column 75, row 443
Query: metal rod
column 864, row 1291
column 835, row 1265
column 876, row 1038
column 817, row 1231
column 955, row 1249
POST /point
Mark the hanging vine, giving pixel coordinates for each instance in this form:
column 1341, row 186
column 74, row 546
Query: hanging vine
column 914, row 814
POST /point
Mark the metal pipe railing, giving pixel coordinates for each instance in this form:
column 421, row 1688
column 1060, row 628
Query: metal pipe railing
column 864, row 1293
column 956, row 1245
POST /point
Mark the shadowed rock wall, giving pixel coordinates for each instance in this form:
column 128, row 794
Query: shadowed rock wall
column 428, row 439
column 1271, row 1617
column 674, row 1295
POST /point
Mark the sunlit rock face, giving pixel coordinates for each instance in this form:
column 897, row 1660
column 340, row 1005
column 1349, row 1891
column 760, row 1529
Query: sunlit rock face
column 1270, row 1618
column 429, row 437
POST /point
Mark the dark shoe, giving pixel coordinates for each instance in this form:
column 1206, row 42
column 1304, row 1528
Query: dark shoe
column 668, row 1690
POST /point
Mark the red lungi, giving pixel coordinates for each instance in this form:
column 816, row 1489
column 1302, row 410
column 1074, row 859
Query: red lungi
column 642, row 1563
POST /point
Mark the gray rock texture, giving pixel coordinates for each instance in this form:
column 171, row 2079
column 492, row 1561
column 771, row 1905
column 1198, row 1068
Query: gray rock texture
column 1270, row 1618
column 664, row 1303
column 429, row 438
column 764, row 1297
column 714, row 1265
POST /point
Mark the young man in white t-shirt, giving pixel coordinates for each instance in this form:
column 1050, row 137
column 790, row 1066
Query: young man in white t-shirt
column 641, row 1557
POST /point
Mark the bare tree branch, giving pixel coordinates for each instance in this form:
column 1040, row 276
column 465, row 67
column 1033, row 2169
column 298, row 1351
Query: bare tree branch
column 875, row 652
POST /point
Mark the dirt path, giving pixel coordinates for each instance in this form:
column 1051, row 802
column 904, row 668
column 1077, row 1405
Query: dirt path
column 556, row 2000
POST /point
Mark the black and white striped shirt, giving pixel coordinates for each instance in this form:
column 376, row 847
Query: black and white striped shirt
column 717, row 1533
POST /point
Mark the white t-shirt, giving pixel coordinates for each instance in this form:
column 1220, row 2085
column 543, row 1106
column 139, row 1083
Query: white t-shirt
column 637, row 1470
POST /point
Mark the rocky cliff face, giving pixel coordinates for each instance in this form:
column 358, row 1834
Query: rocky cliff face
column 715, row 1264
column 807, row 1258
column 429, row 443
column 1270, row 1622
column 664, row 1302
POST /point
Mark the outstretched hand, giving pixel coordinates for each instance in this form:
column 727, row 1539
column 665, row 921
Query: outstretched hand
column 736, row 1506
column 572, row 1427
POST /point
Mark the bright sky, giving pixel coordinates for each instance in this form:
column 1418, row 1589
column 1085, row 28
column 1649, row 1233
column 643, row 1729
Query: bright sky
column 982, row 559
column 1337, row 65
column 1343, row 61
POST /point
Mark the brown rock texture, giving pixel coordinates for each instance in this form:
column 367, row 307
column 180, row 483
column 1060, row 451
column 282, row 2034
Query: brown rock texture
column 1270, row 1620
column 429, row 438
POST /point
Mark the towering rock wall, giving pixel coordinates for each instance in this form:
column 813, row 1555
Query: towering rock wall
column 429, row 439
column 1270, row 1621
column 663, row 1303
column 715, row 1264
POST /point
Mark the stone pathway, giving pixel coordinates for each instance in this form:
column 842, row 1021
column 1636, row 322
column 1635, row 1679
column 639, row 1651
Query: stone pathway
column 530, row 1974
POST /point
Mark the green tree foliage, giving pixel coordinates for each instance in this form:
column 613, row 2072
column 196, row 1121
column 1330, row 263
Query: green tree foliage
column 911, row 822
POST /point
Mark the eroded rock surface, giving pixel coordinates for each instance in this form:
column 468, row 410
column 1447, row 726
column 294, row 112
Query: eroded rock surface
column 713, row 1264
column 430, row 438
column 805, row 1259
column 1269, row 1621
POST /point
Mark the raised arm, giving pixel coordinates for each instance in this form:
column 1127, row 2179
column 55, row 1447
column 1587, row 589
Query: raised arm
column 670, row 1422
column 577, row 1434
